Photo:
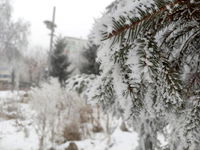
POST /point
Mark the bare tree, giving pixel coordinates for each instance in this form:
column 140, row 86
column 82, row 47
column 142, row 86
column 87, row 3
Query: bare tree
column 36, row 62
column 13, row 38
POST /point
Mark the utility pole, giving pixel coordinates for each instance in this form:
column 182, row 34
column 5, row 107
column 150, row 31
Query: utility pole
column 52, row 29
column 51, row 26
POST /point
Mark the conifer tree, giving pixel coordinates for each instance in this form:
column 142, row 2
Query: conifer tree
column 149, row 58
column 60, row 62
column 90, row 55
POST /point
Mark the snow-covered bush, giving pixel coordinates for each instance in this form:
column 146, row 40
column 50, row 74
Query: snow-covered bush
column 81, row 84
column 102, row 121
column 54, row 107
column 10, row 107
column 60, row 114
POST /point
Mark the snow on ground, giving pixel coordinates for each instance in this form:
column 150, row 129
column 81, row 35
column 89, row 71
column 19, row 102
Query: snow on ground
column 14, row 137
column 119, row 140
column 124, row 140
column 10, row 95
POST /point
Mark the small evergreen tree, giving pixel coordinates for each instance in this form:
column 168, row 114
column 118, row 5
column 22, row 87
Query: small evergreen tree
column 60, row 62
column 90, row 66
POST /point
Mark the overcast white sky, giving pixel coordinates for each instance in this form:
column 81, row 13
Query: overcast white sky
column 73, row 17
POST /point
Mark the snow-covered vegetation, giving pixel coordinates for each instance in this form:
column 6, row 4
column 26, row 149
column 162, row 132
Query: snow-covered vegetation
column 150, row 61
column 136, row 84
column 41, row 119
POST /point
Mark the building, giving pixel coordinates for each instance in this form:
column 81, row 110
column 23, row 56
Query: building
column 74, row 48
column 5, row 74
column 5, row 77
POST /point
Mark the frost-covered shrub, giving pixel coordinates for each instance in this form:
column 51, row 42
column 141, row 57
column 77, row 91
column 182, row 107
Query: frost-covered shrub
column 81, row 84
column 11, row 110
column 60, row 114
column 92, row 117
column 53, row 107
column 76, row 125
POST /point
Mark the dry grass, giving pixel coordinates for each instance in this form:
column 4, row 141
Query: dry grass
column 72, row 132
column 97, row 128
column 85, row 114
column 72, row 146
